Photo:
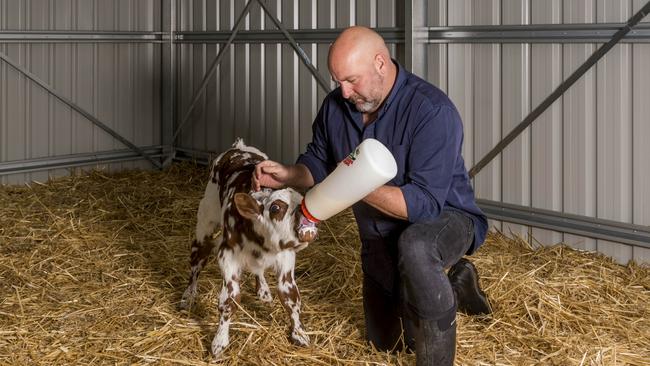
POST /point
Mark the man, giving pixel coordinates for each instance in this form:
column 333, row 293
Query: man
column 421, row 222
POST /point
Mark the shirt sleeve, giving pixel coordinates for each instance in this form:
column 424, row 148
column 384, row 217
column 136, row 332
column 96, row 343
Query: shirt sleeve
column 316, row 156
column 435, row 147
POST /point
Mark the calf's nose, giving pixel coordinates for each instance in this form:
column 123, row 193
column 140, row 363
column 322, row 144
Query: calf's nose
column 307, row 230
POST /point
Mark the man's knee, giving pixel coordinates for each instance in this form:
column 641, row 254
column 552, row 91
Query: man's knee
column 417, row 248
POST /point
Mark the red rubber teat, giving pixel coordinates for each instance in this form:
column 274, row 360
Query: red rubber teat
column 307, row 214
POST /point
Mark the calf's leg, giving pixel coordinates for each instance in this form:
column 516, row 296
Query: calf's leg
column 208, row 219
column 262, row 287
column 230, row 295
column 290, row 296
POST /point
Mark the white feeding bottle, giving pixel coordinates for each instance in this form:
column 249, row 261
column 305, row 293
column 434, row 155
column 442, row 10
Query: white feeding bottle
column 367, row 168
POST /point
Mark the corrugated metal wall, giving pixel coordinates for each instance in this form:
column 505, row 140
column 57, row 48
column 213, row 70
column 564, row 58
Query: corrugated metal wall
column 118, row 83
column 587, row 153
column 262, row 92
column 584, row 155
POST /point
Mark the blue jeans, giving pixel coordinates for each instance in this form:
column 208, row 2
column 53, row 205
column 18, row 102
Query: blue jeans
column 404, row 278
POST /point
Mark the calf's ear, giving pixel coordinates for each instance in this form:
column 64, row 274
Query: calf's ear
column 247, row 206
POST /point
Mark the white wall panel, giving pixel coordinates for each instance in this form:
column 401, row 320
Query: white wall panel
column 242, row 100
column 257, row 81
column 386, row 13
column 41, row 133
column 273, row 95
column 487, row 120
column 308, row 103
column 614, row 131
column 15, row 92
column 366, row 12
column 487, row 101
column 118, row 83
column 262, row 93
column 641, row 136
column 516, row 96
column 546, row 149
column 290, row 81
column 460, row 84
column 641, row 147
column 326, row 18
column 585, row 154
column 579, row 130
column 436, row 54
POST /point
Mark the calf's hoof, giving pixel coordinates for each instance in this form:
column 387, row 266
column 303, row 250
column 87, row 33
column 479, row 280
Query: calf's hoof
column 217, row 347
column 299, row 337
column 265, row 295
column 187, row 300
column 220, row 342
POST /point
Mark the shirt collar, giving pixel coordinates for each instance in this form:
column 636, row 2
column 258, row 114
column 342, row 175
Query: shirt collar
column 399, row 81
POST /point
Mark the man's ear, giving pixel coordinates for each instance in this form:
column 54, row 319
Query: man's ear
column 380, row 63
column 247, row 206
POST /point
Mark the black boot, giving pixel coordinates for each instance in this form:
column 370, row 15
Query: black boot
column 470, row 298
column 435, row 347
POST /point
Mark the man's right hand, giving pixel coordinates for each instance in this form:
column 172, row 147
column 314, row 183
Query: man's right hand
column 275, row 175
column 270, row 174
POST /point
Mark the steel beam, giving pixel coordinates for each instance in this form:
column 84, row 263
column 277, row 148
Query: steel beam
column 201, row 157
column 534, row 33
column 11, row 36
column 590, row 227
column 73, row 160
column 537, row 33
column 390, row 35
column 77, row 108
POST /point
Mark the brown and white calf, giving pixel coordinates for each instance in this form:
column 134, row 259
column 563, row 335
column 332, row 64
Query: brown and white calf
column 258, row 230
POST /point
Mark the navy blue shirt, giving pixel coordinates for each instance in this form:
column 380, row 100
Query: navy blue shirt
column 423, row 130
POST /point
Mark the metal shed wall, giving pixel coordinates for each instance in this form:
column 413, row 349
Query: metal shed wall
column 583, row 156
column 587, row 153
column 262, row 92
column 119, row 83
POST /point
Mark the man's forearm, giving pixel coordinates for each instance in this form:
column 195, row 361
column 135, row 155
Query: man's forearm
column 389, row 200
column 300, row 176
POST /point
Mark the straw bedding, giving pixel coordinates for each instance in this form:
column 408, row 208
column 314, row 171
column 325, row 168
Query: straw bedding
column 92, row 268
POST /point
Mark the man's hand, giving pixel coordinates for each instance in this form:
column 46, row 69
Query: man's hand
column 270, row 174
column 275, row 175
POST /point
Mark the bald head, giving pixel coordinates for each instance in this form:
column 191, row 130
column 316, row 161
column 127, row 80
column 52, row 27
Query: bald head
column 360, row 62
column 359, row 44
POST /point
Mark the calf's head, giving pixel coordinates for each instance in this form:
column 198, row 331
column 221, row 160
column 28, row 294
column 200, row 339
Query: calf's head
column 277, row 215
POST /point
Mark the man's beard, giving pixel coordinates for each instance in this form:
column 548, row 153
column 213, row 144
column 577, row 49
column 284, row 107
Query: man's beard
column 366, row 106
column 372, row 102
